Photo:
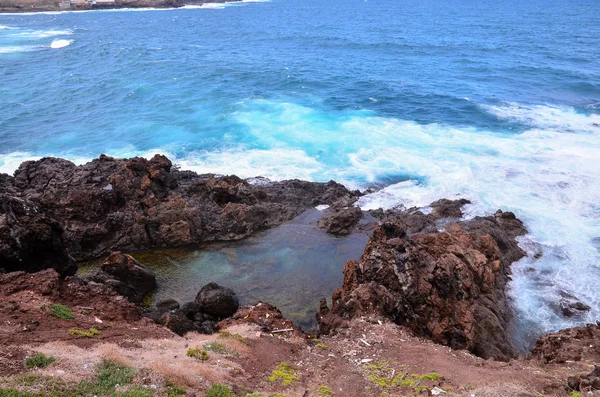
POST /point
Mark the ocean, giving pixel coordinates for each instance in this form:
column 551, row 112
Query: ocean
column 496, row 102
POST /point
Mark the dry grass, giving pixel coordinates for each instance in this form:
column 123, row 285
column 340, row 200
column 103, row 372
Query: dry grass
column 501, row 391
column 162, row 360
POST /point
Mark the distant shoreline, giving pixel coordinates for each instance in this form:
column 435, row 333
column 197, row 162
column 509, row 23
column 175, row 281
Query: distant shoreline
column 33, row 6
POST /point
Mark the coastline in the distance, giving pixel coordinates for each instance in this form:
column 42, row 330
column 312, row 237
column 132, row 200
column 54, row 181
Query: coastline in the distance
column 10, row 6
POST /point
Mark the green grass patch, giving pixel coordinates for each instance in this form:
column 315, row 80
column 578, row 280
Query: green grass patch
column 389, row 379
column 197, row 353
column 219, row 391
column 88, row 334
column 285, row 373
column 324, row 391
column 60, row 311
column 219, row 349
column 173, row 390
column 40, row 360
column 228, row 335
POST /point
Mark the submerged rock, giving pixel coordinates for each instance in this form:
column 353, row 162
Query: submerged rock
column 217, row 301
column 126, row 275
column 448, row 286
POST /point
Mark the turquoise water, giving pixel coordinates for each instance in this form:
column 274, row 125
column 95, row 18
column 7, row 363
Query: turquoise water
column 494, row 101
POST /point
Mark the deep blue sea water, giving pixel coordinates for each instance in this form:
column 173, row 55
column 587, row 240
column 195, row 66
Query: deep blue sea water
column 495, row 101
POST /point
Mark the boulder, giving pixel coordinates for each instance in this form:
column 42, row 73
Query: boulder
column 168, row 305
column 340, row 220
column 127, row 276
column 29, row 240
column 177, row 323
column 217, row 301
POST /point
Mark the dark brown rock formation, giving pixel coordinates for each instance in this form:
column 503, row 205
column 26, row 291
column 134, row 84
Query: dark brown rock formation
column 29, row 240
column 126, row 205
column 340, row 220
column 219, row 302
column 126, row 275
column 449, row 285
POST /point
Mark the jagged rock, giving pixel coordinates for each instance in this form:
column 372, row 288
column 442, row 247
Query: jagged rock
column 585, row 383
column 573, row 344
column 263, row 314
column 448, row 285
column 217, row 301
column 177, row 323
column 445, row 208
column 168, row 305
column 206, row 327
column 573, row 309
column 126, row 275
column 133, row 204
column 190, row 309
column 29, row 240
column 340, row 220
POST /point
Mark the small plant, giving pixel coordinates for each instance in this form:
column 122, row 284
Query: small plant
column 575, row 394
column 322, row 346
column 110, row 374
column 173, row 390
column 229, row 335
column 40, row 360
column 219, row 391
column 197, row 353
column 284, row 372
column 324, row 391
column 60, row 311
column 431, row 376
column 218, row 348
column 88, row 334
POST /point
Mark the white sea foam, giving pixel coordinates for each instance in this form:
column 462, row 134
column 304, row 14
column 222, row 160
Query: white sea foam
column 231, row 4
column 16, row 49
column 61, row 43
column 549, row 175
column 40, row 34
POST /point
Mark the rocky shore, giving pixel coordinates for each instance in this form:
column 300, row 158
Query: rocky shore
column 428, row 286
column 83, row 5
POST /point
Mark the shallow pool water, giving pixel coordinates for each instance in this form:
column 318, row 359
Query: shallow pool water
column 291, row 266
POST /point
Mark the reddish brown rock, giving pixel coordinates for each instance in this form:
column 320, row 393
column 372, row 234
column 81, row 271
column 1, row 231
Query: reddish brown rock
column 573, row 344
column 449, row 286
column 126, row 275
column 267, row 316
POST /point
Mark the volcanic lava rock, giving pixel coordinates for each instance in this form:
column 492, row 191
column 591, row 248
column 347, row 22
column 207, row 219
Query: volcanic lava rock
column 177, row 322
column 29, row 240
column 127, row 276
column 448, row 286
column 340, row 220
column 133, row 204
column 573, row 344
column 217, row 301
column 168, row 305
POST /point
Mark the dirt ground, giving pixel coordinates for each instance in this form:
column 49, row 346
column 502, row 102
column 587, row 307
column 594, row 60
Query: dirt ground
column 370, row 358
